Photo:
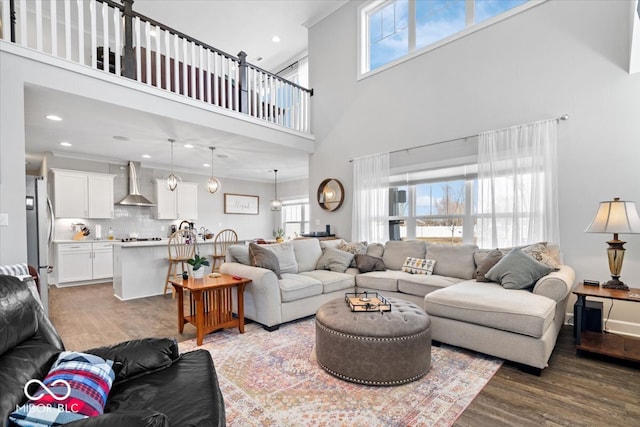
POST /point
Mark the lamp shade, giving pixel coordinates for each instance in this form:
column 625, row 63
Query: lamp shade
column 616, row 217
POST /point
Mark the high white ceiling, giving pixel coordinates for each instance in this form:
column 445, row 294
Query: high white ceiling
column 230, row 26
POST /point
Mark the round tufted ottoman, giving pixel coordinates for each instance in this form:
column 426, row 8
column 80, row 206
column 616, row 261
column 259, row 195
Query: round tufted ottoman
column 372, row 348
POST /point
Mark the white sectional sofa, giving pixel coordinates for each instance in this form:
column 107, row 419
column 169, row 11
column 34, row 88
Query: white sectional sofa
column 517, row 325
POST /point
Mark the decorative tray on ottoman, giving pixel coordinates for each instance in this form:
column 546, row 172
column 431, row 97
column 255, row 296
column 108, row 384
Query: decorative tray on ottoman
column 367, row 301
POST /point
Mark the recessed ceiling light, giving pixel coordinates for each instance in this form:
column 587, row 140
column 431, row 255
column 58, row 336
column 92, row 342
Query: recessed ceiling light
column 146, row 156
column 259, row 58
column 222, row 156
column 53, row 117
column 188, row 146
column 275, row 39
column 120, row 138
column 65, row 144
column 206, row 165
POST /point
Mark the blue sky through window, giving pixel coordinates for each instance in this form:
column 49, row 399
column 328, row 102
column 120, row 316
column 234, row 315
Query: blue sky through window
column 436, row 20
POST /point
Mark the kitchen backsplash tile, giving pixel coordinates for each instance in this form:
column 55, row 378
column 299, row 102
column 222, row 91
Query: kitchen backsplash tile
column 127, row 221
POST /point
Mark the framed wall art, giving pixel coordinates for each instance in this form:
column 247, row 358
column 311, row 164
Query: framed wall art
column 241, row 204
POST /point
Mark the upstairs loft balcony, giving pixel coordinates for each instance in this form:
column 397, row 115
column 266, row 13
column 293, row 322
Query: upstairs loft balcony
column 111, row 37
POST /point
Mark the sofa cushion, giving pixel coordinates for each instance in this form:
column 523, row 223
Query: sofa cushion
column 490, row 305
column 366, row 263
column 453, row 260
column 397, row 251
column 333, row 243
column 334, row 260
column 422, row 284
column 264, row 258
column 375, row 249
column 308, row 252
column 484, row 261
column 355, row 248
column 297, row 286
column 517, row 270
column 332, row 281
column 82, row 380
column 418, row 266
column 286, row 256
column 541, row 252
column 380, row 280
column 239, row 253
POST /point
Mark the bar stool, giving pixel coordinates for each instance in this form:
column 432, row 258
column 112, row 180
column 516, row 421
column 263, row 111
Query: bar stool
column 221, row 243
column 182, row 247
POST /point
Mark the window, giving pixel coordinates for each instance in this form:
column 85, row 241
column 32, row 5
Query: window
column 295, row 217
column 395, row 29
column 438, row 211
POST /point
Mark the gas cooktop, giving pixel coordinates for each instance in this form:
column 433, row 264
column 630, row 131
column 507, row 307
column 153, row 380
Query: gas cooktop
column 141, row 239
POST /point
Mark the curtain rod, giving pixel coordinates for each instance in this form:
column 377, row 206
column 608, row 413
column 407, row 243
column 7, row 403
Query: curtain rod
column 563, row 118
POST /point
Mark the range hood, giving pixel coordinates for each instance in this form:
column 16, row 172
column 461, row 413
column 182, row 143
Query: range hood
column 134, row 198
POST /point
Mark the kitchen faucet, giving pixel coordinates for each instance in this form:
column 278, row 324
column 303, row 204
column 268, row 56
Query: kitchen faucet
column 189, row 225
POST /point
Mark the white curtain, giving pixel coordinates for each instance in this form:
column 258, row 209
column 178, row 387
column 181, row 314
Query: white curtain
column 370, row 219
column 517, row 186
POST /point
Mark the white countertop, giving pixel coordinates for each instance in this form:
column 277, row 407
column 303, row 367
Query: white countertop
column 137, row 244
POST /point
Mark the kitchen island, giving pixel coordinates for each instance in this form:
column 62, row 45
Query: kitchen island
column 140, row 268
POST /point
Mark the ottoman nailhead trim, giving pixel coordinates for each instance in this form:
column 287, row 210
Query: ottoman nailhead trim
column 368, row 382
column 358, row 337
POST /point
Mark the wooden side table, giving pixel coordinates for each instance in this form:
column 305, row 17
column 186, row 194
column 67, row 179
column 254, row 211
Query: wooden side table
column 613, row 345
column 210, row 303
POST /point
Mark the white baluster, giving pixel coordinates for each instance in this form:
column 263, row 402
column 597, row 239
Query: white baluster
column 53, row 13
column 176, row 63
column 67, row 29
column 80, row 5
column 136, row 32
column 117, row 28
column 6, row 17
column 194, row 92
column 223, row 82
column 105, row 37
column 38, row 4
column 237, row 86
column 147, row 53
column 201, row 73
column 167, row 60
column 157, row 38
column 216, row 76
column 93, row 6
column 185, row 80
column 22, row 12
column 208, row 75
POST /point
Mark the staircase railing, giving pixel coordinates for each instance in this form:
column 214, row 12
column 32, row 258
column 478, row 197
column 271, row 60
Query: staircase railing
column 109, row 36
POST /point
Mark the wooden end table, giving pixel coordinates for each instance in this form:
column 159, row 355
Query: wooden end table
column 620, row 346
column 210, row 303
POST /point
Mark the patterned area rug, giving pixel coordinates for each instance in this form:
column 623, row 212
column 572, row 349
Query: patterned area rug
column 272, row 379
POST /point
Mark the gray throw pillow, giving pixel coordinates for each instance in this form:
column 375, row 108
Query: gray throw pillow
column 264, row 258
column 334, row 260
column 517, row 270
column 367, row 263
column 487, row 262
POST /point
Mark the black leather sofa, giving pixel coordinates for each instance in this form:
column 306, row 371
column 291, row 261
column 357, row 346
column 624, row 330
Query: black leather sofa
column 154, row 384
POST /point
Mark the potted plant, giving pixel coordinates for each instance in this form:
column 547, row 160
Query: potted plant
column 196, row 263
column 278, row 233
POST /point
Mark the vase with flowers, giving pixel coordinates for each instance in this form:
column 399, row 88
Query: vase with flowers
column 278, row 233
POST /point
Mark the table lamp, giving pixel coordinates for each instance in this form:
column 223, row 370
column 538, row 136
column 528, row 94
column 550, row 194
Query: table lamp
column 617, row 217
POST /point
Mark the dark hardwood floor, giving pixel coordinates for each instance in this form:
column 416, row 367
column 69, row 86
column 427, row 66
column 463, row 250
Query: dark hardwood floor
column 572, row 391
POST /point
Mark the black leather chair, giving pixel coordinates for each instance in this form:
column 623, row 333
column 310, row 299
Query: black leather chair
column 154, row 384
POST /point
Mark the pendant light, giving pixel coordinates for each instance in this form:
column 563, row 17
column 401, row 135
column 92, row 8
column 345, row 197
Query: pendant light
column 172, row 180
column 276, row 204
column 213, row 184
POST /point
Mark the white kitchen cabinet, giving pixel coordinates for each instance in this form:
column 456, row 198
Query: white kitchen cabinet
column 83, row 262
column 179, row 204
column 82, row 194
column 102, row 261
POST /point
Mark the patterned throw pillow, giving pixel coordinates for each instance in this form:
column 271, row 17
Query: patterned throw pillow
column 264, row 258
column 355, row 248
column 538, row 251
column 76, row 387
column 418, row 265
column 334, row 260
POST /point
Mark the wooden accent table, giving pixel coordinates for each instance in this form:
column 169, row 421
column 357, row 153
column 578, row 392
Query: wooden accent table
column 620, row 346
column 210, row 303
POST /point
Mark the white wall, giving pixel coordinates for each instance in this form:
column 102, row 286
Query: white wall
column 559, row 57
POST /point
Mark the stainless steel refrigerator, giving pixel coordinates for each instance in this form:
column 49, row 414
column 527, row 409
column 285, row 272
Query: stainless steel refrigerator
column 40, row 223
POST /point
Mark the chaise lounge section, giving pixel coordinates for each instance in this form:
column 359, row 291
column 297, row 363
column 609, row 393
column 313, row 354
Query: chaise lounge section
column 520, row 325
